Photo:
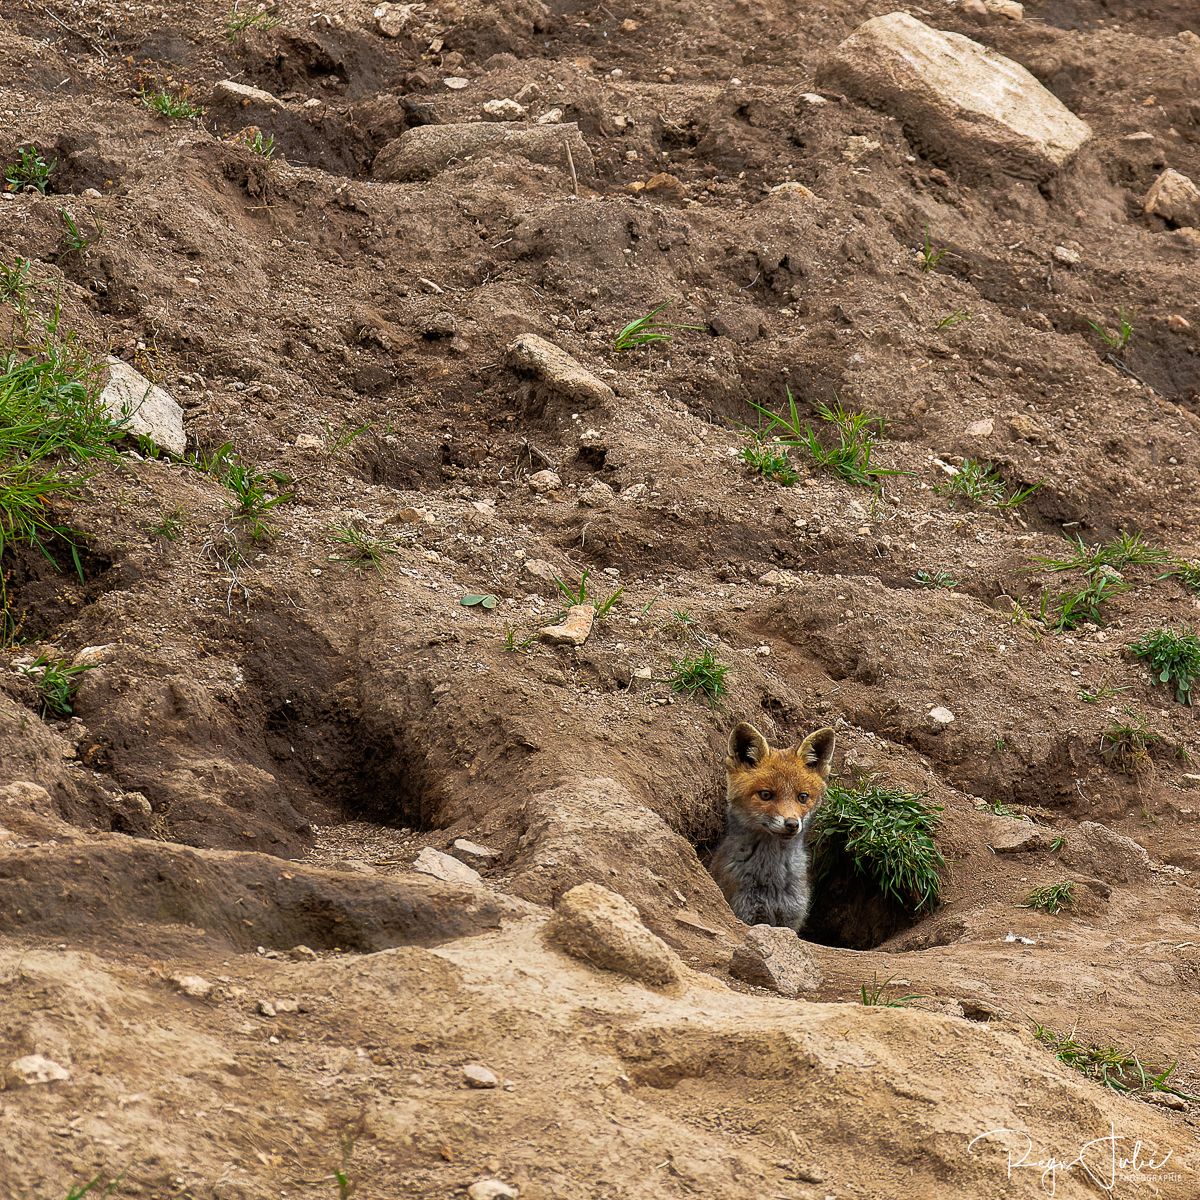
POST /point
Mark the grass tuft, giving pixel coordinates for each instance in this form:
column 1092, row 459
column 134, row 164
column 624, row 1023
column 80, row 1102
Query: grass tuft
column 1118, row 339
column 876, row 995
column 56, row 681
column 888, row 834
column 649, row 330
column 935, row 579
column 1173, row 658
column 238, row 21
column 931, row 255
column 1122, row 1071
column 700, row 674
column 1051, row 899
column 168, row 104
column 255, row 493
column 982, row 484
column 363, row 550
column 1127, row 744
column 770, row 460
column 1125, row 550
column 1069, row 610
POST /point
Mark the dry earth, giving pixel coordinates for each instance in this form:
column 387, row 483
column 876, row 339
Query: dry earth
column 269, row 732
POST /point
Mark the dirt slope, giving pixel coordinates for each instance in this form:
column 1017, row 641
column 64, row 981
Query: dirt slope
column 269, row 732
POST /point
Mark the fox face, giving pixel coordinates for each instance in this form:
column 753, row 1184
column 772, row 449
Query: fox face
column 776, row 790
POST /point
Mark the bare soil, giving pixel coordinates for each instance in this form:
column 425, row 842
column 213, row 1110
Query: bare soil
column 272, row 732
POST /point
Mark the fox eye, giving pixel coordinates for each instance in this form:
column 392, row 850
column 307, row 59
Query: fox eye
column 803, row 795
column 766, row 794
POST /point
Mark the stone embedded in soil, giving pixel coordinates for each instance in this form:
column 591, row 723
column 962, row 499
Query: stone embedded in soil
column 444, row 867
column 981, row 428
column 390, row 19
column 1175, row 198
column 142, row 407
column 601, row 928
column 194, row 986
column 467, row 850
column 539, row 568
column 775, row 958
column 1095, row 849
column 491, row 1189
column 245, row 95
column 940, row 717
column 957, row 98
column 573, row 630
column 533, row 355
column 544, row 482
column 478, row 1076
column 36, row 1068
column 503, row 110
column 1065, row 256
column 1007, row 836
column 423, row 151
column 596, row 495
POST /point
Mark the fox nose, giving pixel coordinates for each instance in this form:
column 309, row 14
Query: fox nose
column 791, row 824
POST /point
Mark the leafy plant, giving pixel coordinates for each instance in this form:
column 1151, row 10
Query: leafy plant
column 770, row 460
column 167, row 104
column 1050, row 899
column 1125, row 550
column 255, row 18
column 604, row 607
column 171, row 525
column 850, row 458
column 935, row 579
column 888, row 834
column 478, row 600
column 1115, row 340
column 1069, row 610
column 1056, row 844
column 1188, row 574
column 700, row 674
column 257, row 144
column 78, row 1191
column 362, row 549
column 255, row 493
column 649, row 330
column 876, row 995
column 1173, row 658
column 1122, row 1071
column 56, row 681
column 982, row 484
column 957, row 317
column 75, row 241
column 931, row 256
column 578, row 594
column 1126, row 745
column 30, row 170
column 16, row 283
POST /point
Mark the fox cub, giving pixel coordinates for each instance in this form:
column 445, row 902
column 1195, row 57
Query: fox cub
column 762, row 864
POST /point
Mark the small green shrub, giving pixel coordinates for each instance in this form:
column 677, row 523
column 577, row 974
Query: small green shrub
column 1188, row 574
column 1068, row 610
column 935, row 579
column 649, row 330
column 255, row 493
column 982, row 484
column 888, row 834
column 931, row 256
column 1125, row 550
column 1122, row 1071
column 168, row 104
column 1173, row 658
column 579, row 594
column 30, row 170
column 770, row 460
column 700, row 674
column 56, row 681
column 362, row 549
column 957, row 317
column 1127, row 744
column 1050, row 899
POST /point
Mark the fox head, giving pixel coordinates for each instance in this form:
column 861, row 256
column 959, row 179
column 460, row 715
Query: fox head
column 776, row 790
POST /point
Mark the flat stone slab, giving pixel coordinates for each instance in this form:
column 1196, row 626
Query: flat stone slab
column 143, row 407
column 421, row 152
column 957, row 98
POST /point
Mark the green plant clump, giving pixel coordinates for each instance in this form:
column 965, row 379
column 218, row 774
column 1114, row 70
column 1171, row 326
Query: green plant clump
column 982, row 484
column 888, row 834
column 1173, row 658
column 770, row 460
column 1069, row 610
column 168, row 104
column 1122, row 1071
column 699, row 675
column 649, row 330
column 1051, row 899
column 935, row 579
column 30, row 170
column 56, row 681
column 876, row 995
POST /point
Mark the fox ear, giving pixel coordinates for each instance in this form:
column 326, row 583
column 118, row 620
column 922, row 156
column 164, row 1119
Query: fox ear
column 747, row 746
column 817, row 751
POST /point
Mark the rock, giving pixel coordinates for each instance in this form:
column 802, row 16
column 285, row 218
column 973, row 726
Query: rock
column 792, row 188
column 552, row 116
column 813, row 99
column 423, row 151
column 1010, row 10
column 309, row 441
column 491, row 1189
column 244, row 94
column 195, row 987
column 1190, row 38
column 544, row 482
column 689, row 920
column 1065, row 255
column 539, row 568
column 302, row 953
column 596, row 495
column 557, row 370
column 478, row 1076
column 1095, row 849
column 143, row 407
column 1179, row 322
column 265, row 1008
column 503, row 110
column 92, row 656
column 467, row 850
column 36, row 1068
column 665, row 186
column 981, row 428
column 574, row 629
column 1023, row 426
column 1175, row 198
column 775, row 958
column 940, row 717
column 1189, row 781
column 1008, row 836
column 603, row 929
column 456, row 83
column 958, row 98
column 390, row 19
column 285, row 1004
column 444, row 867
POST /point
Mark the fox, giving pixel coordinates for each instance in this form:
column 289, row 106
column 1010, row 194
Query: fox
column 761, row 864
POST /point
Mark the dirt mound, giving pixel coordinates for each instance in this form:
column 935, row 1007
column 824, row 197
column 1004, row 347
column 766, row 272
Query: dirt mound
column 383, row 274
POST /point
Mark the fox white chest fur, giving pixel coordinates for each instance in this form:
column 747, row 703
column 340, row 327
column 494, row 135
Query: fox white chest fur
column 762, row 863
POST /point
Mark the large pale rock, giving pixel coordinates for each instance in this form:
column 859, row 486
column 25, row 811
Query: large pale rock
column 557, row 370
column 245, row 95
column 574, row 629
column 774, row 958
column 36, row 1068
column 604, row 929
column 423, row 151
column 1175, row 198
column 957, row 98
column 1095, row 849
column 143, row 407
column 444, row 867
